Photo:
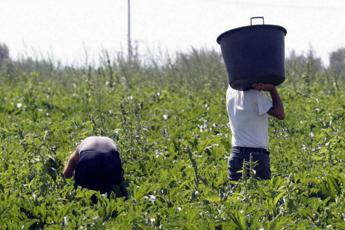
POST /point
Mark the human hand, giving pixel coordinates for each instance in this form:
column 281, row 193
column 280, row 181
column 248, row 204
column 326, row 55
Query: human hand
column 263, row 86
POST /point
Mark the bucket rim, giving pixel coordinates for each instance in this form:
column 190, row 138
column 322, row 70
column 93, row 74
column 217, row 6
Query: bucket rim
column 249, row 27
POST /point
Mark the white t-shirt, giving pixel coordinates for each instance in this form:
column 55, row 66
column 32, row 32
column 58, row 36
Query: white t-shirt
column 97, row 143
column 248, row 117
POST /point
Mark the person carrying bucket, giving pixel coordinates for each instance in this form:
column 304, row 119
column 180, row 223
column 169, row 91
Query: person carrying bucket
column 254, row 59
column 96, row 165
column 248, row 115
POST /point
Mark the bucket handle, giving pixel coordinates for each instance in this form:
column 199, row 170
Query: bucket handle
column 259, row 17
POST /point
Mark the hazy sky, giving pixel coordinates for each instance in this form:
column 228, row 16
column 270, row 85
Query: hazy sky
column 64, row 29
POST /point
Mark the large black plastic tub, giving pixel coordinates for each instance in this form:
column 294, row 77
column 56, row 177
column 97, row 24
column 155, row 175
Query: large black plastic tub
column 254, row 54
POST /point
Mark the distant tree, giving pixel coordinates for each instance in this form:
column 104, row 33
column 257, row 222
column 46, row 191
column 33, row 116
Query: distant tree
column 303, row 68
column 303, row 62
column 337, row 61
column 4, row 52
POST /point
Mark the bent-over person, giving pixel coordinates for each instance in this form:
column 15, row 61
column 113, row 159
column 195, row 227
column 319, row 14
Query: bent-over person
column 96, row 165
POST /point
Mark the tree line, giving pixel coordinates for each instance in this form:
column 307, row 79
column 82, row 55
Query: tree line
column 200, row 67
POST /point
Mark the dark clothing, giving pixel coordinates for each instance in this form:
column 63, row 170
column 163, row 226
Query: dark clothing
column 241, row 154
column 99, row 171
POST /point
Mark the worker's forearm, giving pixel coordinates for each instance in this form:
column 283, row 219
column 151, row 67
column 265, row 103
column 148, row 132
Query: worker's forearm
column 68, row 172
column 278, row 106
column 71, row 165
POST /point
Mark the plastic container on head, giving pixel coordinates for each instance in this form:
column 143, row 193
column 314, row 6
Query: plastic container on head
column 254, row 54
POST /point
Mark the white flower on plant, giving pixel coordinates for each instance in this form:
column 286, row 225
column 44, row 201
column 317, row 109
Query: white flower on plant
column 117, row 131
column 203, row 126
column 165, row 116
column 19, row 105
column 65, row 221
column 304, row 147
column 158, row 153
column 211, row 146
column 151, row 198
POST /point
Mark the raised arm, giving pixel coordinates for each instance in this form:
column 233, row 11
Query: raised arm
column 277, row 109
column 71, row 165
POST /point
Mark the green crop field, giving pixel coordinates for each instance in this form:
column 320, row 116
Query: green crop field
column 171, row 125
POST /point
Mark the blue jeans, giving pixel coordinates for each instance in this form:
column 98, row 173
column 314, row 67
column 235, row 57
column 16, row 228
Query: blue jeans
column 241, row 154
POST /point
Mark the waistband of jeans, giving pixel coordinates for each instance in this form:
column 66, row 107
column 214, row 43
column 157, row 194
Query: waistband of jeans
column 251, row 149
column 112, row 151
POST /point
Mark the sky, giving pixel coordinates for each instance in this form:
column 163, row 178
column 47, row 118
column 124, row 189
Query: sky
column 77, row 31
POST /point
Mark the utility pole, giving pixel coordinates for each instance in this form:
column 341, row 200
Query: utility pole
column 129, row 31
